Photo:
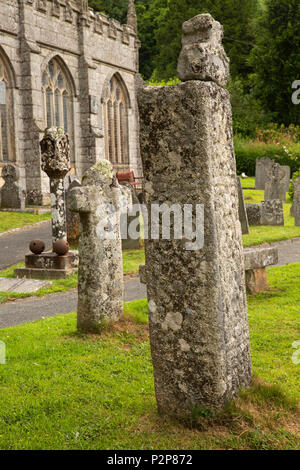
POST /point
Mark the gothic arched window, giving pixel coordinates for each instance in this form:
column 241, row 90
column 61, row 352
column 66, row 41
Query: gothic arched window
column 57, row 98
column 6, row 115
column 116, row 123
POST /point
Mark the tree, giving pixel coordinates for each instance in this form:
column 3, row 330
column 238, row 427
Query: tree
column 275, row 59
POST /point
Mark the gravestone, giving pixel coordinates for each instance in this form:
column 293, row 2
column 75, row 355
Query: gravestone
column 254, row 214
column 262, row 166
column 296, row 202
column 11, row 196
column 73, row 219
column 100, row 273
column 130, row 242
column 196, row 294
column 242, row 209
column 275, row 187
column 272, row 212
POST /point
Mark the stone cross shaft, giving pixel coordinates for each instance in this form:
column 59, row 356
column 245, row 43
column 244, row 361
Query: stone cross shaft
column 55, row 151
column 197, row 304
column 100, row 274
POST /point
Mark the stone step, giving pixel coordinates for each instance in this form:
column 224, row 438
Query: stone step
column 22, row 285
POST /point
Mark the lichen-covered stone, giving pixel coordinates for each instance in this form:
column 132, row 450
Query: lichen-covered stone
column 100, row 274
column 55, row 150
column 260, row 257
column 202, row 56
column 254, row 214
column 272, row 212
column 197, row 299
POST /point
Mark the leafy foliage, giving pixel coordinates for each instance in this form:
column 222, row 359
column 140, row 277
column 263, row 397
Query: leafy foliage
column 275, row 59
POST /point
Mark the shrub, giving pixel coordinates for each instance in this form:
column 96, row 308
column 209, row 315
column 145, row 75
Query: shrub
column 247, row 153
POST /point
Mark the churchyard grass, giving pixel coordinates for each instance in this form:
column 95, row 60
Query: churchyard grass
column 268, row 234
column 64, row 390
column 249, row 182
column 11, row 220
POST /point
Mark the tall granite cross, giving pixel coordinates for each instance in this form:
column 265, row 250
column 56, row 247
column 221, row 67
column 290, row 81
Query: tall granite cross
column 55, row 150
column 198, row 318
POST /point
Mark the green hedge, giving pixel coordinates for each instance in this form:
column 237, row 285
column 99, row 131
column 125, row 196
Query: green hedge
column 247, row 153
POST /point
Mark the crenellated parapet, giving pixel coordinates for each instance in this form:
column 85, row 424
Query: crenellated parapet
column 77, row 12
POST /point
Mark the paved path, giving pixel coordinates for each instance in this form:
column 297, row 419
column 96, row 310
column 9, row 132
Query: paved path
column 288, row 252
column 35, row 308
column 14, row 246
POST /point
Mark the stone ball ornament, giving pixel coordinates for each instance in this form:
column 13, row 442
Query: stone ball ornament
column 37, row 247
column 61, row 247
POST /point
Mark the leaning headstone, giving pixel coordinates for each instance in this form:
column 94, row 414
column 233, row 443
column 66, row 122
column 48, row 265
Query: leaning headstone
column 73, row 219
column 262, row 166
column 100, row 274
column 254, row 214
column 11, row 196
column 131, row 241
column 242, row 209
column 272, row 212
column 196, row 294
column 296, row 202
column 55, row 149
column 275, row 187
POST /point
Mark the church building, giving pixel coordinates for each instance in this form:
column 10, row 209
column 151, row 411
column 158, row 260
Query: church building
column 63, row 64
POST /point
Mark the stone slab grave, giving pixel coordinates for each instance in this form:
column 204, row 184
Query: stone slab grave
column 266, row 213
column 242, row 209
column 100, row 274
column 256, row 261
column 199, row 332
column 55, row 150
column 22, row 285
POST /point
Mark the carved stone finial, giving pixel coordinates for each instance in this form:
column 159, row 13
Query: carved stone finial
column 131, row 16
column 202, row 56
column 55, row 150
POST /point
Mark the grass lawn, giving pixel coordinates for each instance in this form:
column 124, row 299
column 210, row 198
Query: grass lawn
column 11, row 220
column 64, row 390
column 265, row 234
column 249, row 182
